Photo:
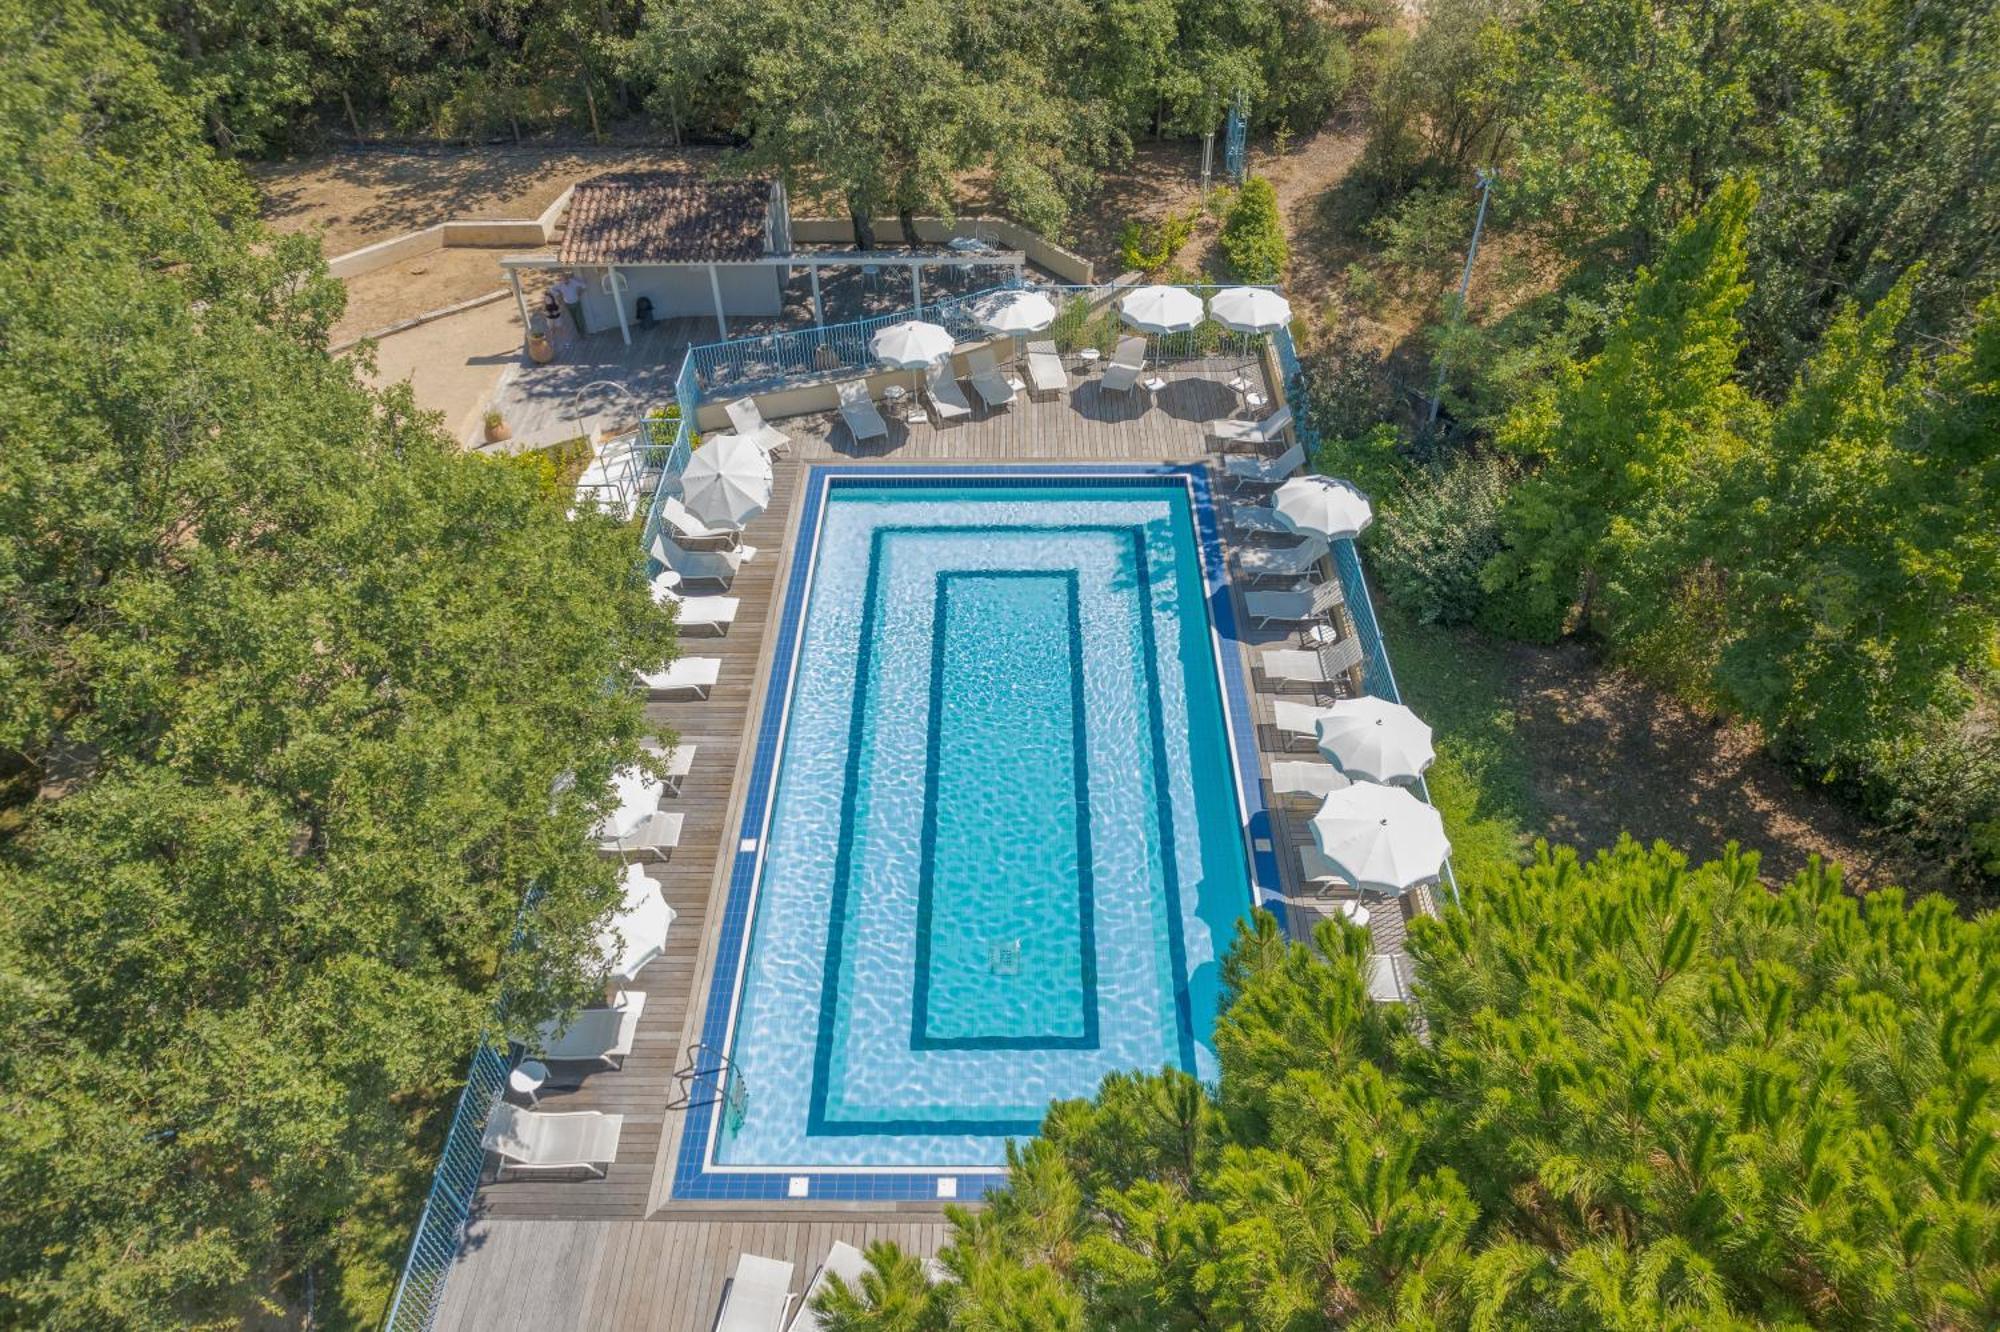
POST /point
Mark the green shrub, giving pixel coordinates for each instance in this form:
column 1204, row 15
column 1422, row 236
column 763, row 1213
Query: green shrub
column 555, row 467
column 1424, row 237
column 1148, row 249
column 1253, row 236
column 1436, row 536
column 1364, row 289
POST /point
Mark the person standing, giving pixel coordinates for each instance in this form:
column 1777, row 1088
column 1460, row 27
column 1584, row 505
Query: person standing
column 570, row 291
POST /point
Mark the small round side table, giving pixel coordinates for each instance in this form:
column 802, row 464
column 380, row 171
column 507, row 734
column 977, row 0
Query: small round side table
column 527, row 1079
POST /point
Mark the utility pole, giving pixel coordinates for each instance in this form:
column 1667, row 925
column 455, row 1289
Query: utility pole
column 1486, row 178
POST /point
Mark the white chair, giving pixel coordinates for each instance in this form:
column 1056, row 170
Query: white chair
column 1299, row 561
column 1300, row 777
column 758, row 1296
column 858, row 410
column 1265, row 471
column 993, row 388
column 751, row 425
column 637, row 932
column 1045, row 368
column 1325, row 668
column 1294, row 607
column 594, row 1035
column 947, row 400
column 1254, row 433
column 1257, row 519
column 687, row 527
column 685, row 675
column 843, row 1260
column 1126, row 363
column 701, row 566
column 679, row 763
column 536, row 1142
column 657, row 836
column 1320, row 874
column 714, row 614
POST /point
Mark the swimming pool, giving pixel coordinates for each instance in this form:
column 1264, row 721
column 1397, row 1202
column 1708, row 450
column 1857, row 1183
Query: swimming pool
column 1005, row 844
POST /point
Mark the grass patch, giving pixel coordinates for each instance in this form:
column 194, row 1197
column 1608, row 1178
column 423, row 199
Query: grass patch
column 1462, row 684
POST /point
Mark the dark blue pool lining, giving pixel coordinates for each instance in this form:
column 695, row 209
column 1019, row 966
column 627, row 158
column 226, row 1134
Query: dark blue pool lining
column 693, row 1178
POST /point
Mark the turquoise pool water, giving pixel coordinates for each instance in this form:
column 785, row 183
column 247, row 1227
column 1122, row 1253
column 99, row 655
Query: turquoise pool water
column 1005, row 847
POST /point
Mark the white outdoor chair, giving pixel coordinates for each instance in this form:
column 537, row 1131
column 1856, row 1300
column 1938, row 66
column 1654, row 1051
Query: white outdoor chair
column 1255, row 433
column 1265, row 471
column 1320, row 874
column 1296, row 722
column 687, row 527
column 534, row 1142
column 751, row 425
column 1257, row 520
column 1324, row 668
column 758, row 1296
column 843, row 1260
column 701, row 566
column 1045, row 368
column 1299, row 561
column 656, row 837
column 947, row 400
column 684, row 675
column 714, row 614
column 858, row 410
column 1300, row 777
column 1294, row 607
column 993, row 388
column 595, row 1035
column 679, row 763
column 1126, row 363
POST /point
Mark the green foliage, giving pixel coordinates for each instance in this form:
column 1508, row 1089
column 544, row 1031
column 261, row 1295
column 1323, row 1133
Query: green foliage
column 288, row 684
column 554, row 467
column 1253, row 235
column 1424, row 237
column 1149, row 249
column 1439, row 534
column 1650, row 1096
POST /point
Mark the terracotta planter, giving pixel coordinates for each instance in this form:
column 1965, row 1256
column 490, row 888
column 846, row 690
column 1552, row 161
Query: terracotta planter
column 497, row 431
column 541, row 350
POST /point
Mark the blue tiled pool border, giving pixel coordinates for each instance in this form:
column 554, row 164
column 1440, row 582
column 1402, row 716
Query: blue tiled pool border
column 693, row 1178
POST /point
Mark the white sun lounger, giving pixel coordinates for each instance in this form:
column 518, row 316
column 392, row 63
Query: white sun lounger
column 1299, row 561
column 858, row 410
column 1045, row 368
column 947, row 400
column 1122, row 372
column 1321, row 875
column 715, row 614
column 687, row 527
column 751, row 425
column 843, row 1260
column 1255, row 433
column 530, row 1141
column 701, row 566
column 685, row 675
column 656, row 837
column 594, row 1035
column 1294, row 607
column 1296, row 721
column 758, row 1296
column 1319, row 667
column 1265, row 471
column 637, row 932
column 1260, row 519
column 679, row 763
column 994, row 389
column 1302, row 777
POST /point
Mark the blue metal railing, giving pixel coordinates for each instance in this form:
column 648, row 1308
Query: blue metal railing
column 441, row 1228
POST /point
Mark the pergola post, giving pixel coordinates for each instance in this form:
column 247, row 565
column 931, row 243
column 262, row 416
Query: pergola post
column 611, row 281
column 715, row 289
column 819, row 306
column 521, row 304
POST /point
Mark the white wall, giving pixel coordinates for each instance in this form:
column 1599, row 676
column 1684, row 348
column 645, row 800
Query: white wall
column 747, row 289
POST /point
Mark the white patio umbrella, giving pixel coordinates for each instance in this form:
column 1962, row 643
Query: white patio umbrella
column 1381, row 836
column 1324, row 506
column 638, row 797
column 1015, row 312
column 1250, row 310
column 1375, row 739
column 1161, row 309
column 727, row 482
column 637, row 933
column 913, row 344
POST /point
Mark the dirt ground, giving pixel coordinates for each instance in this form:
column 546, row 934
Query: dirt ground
column 428, row 282
column 453, row 363
column 1609, row 754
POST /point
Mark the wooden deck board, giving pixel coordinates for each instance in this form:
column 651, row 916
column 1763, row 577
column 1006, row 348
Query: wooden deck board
column 614, row 1253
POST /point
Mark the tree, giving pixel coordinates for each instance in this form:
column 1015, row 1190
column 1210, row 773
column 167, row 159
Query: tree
column 289, row 682
column 1651, row 1095
column 1629, row 439
column 1253, row 235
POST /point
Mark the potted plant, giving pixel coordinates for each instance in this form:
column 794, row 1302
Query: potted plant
column 540, row 349
column 496, row 428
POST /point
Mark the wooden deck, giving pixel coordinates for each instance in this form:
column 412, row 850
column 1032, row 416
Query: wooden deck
column 616, row 1253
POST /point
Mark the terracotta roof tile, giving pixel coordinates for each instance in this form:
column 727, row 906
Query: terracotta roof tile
column 664, row 217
